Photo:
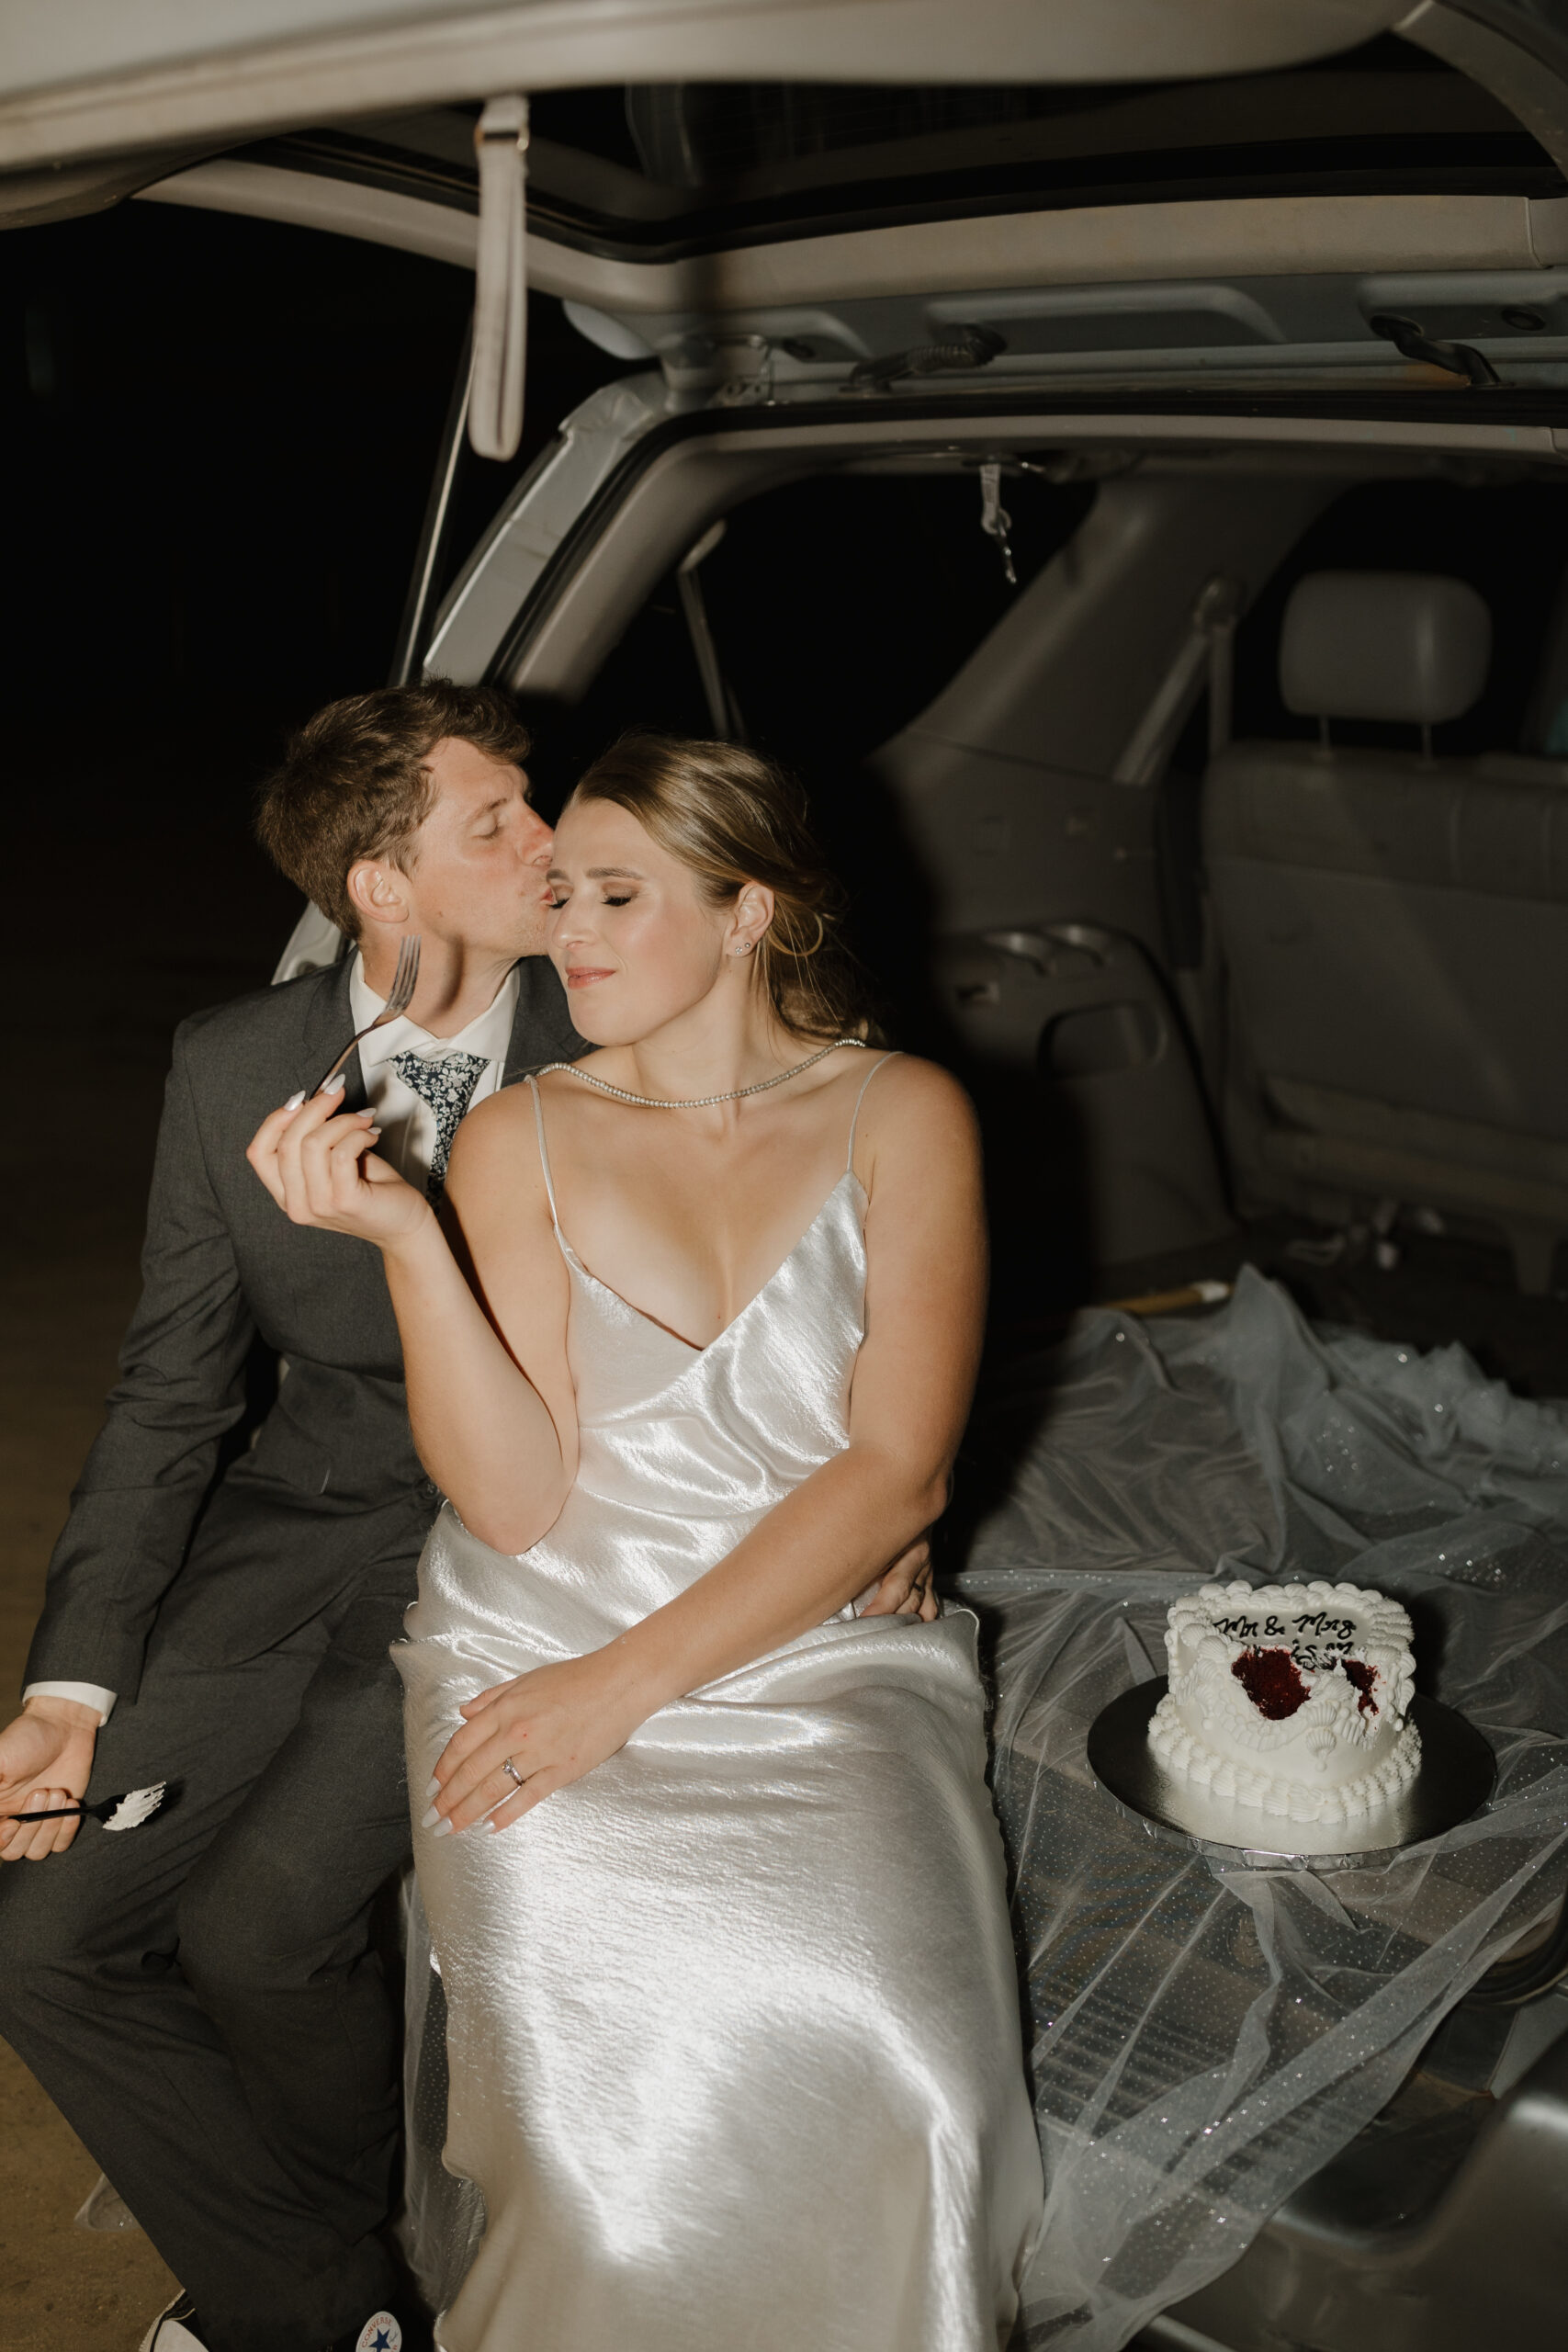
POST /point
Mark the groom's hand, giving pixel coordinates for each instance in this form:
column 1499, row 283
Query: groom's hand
column 905, row 1590
column 46, row 1761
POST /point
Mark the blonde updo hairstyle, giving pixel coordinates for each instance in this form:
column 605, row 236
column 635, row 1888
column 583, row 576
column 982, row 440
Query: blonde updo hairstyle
column 730, row 818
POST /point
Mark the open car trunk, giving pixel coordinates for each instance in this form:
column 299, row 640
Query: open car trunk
column 1230, row 973
column 1196, row 962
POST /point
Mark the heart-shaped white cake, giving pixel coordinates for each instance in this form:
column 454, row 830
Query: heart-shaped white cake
column 1290, row 1697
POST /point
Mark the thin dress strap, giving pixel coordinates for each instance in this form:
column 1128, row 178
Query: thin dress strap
column 860, row 1098
column 544, row 1154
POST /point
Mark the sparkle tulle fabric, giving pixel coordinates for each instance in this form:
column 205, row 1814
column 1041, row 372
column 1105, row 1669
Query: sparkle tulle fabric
column 733, row 2022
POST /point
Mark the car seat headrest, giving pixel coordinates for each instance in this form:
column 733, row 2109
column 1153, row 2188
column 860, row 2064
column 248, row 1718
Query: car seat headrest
column 1397, row 645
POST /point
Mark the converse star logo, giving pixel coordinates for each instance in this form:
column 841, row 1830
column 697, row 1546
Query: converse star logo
column 380, row 2332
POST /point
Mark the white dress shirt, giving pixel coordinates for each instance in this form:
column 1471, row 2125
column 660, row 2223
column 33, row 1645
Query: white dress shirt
column 408, row 1138
column 406, row 1120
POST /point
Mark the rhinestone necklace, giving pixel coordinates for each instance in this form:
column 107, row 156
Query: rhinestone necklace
column 700, row 1101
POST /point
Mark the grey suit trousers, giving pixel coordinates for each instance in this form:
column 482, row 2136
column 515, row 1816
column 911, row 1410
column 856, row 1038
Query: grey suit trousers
column 202, row 1997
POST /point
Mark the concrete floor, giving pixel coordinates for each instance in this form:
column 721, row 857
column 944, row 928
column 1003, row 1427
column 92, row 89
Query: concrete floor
column 158, row 927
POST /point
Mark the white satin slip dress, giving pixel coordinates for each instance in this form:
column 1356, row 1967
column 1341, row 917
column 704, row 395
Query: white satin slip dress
column 733, row 2021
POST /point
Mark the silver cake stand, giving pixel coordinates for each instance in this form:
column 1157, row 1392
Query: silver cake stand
column 1455, row 1781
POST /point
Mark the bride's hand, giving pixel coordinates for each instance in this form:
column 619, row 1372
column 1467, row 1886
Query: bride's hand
column 317, row 1164
column 904, row 1589
column 554, row 1724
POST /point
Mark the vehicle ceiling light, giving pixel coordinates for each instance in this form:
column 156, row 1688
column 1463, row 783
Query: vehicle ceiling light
column 500, row 289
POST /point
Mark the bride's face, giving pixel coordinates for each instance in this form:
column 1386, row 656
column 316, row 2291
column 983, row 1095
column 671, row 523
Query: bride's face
column 630, row 934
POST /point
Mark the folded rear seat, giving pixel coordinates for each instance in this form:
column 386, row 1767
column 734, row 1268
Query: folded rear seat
column 1395, row 931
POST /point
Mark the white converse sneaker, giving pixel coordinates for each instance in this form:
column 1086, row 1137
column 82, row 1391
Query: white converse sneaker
column 380, row 2332
column 174, row 2328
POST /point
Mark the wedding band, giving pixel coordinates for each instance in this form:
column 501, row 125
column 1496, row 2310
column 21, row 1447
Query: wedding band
column 509, row 1769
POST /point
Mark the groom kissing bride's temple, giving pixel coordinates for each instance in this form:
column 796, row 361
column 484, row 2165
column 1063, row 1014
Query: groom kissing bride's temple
column 205, row 2000
column 623, row 1291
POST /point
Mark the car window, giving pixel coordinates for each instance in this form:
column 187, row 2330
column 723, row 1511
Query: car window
column 840, row 606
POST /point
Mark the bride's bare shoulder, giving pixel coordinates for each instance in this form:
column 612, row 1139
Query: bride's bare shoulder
column 914, row 1105
column 496, row 1155
column 511, row 1107
column 496, row 1118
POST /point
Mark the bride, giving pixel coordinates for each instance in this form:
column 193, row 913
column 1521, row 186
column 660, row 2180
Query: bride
column 733, row 2017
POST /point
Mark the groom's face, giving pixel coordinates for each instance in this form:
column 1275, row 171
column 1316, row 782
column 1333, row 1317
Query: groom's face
column 475, row 872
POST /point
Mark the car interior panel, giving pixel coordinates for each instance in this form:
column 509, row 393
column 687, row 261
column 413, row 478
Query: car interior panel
column 1393, row 922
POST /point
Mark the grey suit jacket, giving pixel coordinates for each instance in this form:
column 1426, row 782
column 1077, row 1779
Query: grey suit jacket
column 332, row 1493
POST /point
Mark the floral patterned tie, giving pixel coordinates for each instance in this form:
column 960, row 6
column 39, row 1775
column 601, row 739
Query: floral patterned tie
column 447, row 1085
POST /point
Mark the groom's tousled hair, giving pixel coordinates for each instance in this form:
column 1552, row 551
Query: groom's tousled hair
column 354, row 781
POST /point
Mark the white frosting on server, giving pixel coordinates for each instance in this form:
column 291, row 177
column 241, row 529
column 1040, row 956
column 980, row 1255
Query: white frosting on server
column 1290, row 1697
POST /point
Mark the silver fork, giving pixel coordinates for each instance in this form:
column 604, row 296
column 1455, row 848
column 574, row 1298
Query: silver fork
column 405, row 979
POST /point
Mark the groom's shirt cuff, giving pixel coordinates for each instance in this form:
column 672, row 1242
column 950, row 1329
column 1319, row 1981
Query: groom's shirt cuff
column 85, row 1694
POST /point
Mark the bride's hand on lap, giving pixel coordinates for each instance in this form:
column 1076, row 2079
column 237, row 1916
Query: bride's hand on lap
column 555, row 1723
column 558, row 1722
column 318, row 1163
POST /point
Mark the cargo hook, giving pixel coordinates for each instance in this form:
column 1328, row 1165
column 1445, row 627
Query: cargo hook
column 1411, row 342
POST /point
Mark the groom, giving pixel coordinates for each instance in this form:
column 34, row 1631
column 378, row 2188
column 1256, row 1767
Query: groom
column 201, row 1997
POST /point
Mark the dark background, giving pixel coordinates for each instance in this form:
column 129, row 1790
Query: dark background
column 219, row 439
column 220, row 435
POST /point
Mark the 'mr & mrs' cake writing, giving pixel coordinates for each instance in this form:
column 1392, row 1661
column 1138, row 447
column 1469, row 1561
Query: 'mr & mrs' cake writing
column 1290, row 1697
